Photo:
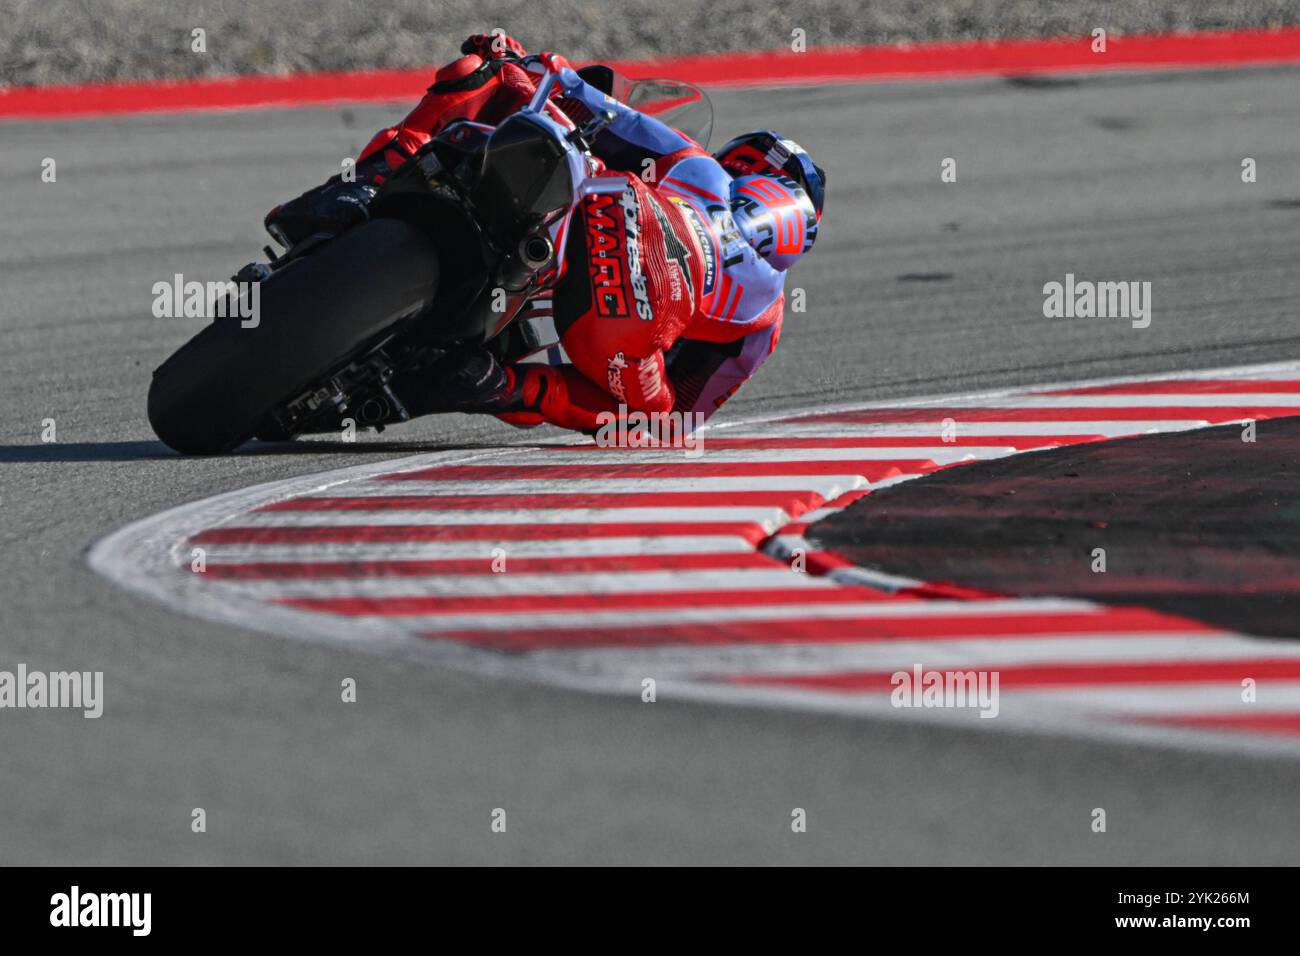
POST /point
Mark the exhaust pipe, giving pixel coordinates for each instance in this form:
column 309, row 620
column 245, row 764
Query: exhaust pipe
column 536, row 251
column 533, row 254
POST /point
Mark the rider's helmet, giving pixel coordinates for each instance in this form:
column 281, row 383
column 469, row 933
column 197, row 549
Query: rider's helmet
column 776, row 195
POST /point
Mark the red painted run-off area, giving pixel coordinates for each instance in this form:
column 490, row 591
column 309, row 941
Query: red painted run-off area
column 783, row 67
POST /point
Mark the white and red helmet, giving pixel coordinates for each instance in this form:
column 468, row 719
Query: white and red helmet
column 776, row 195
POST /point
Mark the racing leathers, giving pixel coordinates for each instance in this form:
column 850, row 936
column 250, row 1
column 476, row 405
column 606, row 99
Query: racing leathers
column 660, row 303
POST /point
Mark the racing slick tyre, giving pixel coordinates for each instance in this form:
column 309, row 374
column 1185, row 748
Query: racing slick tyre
column 313, row 316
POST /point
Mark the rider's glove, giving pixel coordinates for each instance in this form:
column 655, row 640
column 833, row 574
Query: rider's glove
column 493, row 46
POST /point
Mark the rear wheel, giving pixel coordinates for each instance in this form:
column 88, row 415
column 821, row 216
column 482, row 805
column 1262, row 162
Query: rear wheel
column 313, row 316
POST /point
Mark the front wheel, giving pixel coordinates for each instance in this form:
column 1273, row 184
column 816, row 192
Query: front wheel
column 313, row 316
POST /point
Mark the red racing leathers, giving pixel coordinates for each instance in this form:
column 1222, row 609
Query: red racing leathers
column 660, row 305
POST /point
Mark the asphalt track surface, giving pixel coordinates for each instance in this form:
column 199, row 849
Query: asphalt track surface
column 1207, row 532
column 916, row 287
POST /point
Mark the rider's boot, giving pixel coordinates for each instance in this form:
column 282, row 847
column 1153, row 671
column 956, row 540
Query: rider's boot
column 466, row 379
column 330, row 208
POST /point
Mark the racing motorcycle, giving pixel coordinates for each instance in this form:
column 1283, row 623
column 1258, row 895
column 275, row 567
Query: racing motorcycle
column 458, row 241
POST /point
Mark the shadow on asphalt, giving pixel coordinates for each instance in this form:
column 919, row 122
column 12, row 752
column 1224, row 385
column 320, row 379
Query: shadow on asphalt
column 150, row 450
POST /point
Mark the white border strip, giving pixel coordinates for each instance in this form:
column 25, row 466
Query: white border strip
column 141, row 558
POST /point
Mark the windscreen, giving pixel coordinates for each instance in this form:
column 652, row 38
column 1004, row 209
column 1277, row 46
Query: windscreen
column 677, row 104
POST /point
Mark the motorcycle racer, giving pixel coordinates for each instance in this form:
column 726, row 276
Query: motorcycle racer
column 668, row 297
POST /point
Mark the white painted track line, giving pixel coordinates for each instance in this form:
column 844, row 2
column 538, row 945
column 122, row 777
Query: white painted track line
column 714, row 625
